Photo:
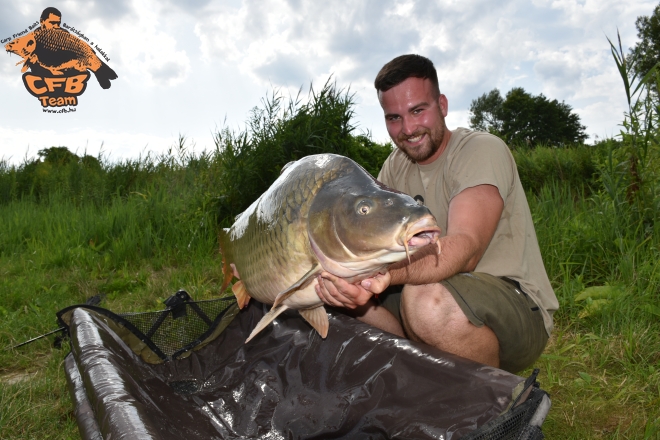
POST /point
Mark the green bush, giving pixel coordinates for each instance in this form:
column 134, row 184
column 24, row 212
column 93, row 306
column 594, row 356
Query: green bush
column 543, row 165
column 249, row 161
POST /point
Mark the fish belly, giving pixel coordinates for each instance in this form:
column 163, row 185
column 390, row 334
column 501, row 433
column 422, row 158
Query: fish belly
column 269, row 278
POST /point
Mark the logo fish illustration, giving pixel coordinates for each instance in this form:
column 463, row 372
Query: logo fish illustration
column 56, row 50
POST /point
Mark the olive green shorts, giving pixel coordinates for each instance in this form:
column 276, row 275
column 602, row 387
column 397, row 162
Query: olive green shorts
column 498, row 303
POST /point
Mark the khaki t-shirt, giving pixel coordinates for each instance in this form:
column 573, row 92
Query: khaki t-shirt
column 476, row 158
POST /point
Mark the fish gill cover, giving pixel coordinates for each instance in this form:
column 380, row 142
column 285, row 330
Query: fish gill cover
column 57, row 63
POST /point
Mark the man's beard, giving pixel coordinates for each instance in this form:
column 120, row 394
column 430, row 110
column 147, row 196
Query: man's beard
column 424, row 151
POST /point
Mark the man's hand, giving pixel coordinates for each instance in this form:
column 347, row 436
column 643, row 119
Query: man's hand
column 336, row 292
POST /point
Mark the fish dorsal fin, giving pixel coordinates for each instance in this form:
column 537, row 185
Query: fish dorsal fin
column 241, row 294
column 267, row 319
column 317, row 318
column 301, row 283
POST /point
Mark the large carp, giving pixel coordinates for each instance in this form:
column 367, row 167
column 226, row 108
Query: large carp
column 324, row 212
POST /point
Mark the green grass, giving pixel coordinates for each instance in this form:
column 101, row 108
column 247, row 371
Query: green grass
column 135, row 251
column 602, row 364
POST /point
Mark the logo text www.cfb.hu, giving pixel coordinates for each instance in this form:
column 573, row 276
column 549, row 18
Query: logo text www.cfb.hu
column 62, row 110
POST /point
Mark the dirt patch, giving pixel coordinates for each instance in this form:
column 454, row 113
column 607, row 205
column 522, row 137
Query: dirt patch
column 16, row 377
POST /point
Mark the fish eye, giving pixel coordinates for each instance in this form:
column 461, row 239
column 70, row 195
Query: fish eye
column 389, row 202
column 363, row 208
column 30, row 43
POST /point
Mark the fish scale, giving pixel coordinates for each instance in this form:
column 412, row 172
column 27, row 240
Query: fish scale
column 57, row 40
column 267, row 244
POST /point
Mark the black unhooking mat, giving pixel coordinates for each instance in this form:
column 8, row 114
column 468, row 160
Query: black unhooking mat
column 287, row 383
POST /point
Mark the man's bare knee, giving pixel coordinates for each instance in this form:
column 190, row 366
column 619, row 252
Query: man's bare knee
column 427, row 309
column 431, row 315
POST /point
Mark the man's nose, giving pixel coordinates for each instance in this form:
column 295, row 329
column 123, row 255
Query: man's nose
column 409, row 125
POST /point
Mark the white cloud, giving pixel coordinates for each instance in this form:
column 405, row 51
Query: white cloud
column 147, row 52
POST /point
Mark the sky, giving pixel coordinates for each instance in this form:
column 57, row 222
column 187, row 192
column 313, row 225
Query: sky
column 192, row 67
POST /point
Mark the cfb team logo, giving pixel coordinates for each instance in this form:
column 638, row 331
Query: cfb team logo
column 56, row 63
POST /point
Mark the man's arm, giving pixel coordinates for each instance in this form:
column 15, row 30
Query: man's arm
column 473, row 217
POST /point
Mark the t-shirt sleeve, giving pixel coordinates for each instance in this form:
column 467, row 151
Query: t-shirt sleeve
column 482, row 160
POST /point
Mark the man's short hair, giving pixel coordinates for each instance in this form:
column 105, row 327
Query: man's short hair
column 50, row 10
column 403, row 67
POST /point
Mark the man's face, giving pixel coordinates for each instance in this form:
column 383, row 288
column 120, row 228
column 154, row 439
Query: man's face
column 52, row 22
column 415, row 119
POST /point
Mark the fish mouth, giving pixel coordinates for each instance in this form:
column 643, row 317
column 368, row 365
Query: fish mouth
column 421, row 233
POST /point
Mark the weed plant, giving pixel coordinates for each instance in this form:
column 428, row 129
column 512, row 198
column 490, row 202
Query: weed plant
column 280, row 132
column 576, row 165
column 135, row 231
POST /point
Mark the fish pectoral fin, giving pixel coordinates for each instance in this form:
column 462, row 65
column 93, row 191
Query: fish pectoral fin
column 300, row 284
column 317, row 318
column 267, row 319
column 241, row 294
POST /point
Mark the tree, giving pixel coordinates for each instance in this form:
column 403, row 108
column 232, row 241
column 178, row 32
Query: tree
column 485, row 112
column 522, row 118
column 58, row 155
column 646, row 52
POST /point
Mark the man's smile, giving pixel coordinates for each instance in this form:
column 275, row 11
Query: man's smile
column 415, row 139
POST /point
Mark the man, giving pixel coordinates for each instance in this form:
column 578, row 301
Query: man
column 486, row 295
column 51, row 18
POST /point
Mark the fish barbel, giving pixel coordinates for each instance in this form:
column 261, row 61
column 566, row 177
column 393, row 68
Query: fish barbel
column 324, row 212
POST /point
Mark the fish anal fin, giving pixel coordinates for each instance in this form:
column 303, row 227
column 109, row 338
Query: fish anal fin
column 241, row 294
column 317, row 318
column 300, row 284
column 267, row 319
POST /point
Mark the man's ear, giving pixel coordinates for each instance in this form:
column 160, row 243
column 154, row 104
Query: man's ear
column 444, row 105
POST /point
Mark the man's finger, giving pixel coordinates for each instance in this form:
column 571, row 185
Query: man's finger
column 341, row 291
column 377, row 284
column 324, row 293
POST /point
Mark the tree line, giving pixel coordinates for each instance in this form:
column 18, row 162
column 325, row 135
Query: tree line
column 521, row 118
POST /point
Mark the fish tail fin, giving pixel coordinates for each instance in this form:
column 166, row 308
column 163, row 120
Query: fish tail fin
column 227, row 273
column 267, row 319
column 241, row 294
column 104, row 74
column 317, row 318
